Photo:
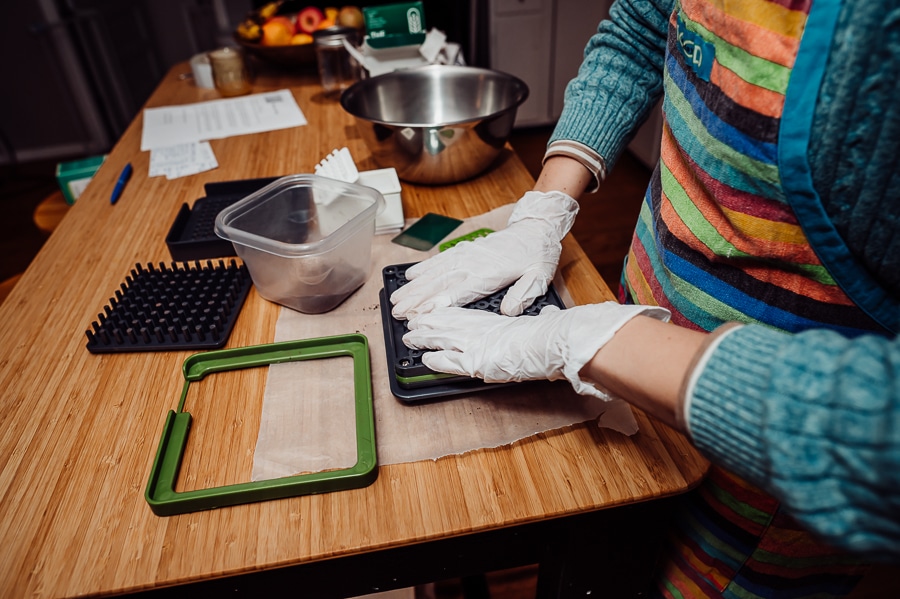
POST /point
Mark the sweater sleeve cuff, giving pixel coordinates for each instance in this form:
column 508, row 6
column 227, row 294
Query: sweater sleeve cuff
column 587, row 157
column 701, row 357
column 724, row 407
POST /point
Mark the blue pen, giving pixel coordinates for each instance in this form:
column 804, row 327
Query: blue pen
column 120, row 184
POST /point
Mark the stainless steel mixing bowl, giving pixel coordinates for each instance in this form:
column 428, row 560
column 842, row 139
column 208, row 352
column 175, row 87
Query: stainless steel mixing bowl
column 438, row 123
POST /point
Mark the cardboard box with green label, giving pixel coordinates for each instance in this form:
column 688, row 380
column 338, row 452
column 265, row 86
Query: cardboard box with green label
column 395, row 25
column 73, row 176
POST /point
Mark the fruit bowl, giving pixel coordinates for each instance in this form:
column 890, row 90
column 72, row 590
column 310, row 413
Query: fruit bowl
column 286, row 56
column 281, row 31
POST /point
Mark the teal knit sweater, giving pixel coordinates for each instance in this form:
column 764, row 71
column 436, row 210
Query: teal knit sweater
column 813, row 418
column 854, row 148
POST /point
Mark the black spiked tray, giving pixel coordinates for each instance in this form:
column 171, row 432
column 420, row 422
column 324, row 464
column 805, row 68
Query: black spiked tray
column 192, row 235
column 186, row 306
column 409, row 378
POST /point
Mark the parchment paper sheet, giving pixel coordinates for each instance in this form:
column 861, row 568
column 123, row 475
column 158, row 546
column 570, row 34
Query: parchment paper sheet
column 308, row 419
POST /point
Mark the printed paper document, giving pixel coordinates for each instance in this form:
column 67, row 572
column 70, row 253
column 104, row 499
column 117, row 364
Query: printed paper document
column 216, row 119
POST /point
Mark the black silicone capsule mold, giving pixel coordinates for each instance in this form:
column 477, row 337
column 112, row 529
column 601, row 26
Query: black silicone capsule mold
column 184, row 306
column 410, row 379
column 192, row 235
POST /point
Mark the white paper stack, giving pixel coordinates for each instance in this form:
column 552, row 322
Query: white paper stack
column 385, row 180
column 177, row 137
column 340, row 165
column 182, row 160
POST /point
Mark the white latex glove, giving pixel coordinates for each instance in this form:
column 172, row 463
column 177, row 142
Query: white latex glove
column 556, row 344
column 524, row 254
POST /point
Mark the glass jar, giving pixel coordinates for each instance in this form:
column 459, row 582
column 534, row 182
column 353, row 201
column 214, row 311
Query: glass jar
column 338, row 70
column 229, row 71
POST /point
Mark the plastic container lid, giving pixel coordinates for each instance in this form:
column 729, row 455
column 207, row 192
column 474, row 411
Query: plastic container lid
column 299, row 215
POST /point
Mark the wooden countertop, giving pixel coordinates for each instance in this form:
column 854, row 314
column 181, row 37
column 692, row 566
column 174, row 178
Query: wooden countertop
column 79, row 430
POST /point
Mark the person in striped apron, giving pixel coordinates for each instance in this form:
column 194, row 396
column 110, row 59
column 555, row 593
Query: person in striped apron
column 776, row 205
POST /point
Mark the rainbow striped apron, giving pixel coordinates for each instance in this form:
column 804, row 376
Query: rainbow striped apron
column 718, row 240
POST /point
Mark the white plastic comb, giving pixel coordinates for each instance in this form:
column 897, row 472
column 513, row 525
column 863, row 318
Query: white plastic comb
column 338, row 165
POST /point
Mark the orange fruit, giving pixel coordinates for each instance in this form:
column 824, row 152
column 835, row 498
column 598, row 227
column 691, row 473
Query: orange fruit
column 300, row 39
column 277, row 31
column 325, row 24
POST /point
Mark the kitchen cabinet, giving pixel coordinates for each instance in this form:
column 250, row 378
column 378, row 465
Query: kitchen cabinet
column 542, row 42
column 521, row 44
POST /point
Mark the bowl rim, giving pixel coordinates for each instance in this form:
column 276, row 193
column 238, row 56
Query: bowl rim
column 353, row 89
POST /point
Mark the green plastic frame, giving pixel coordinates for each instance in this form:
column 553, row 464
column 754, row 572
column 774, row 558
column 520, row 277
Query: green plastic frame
column 160, row 492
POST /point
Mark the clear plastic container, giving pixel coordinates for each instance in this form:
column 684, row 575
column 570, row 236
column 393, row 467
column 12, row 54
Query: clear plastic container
column 306, row 239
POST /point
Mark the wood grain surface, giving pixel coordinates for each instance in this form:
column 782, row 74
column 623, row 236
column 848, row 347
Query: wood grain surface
column 78, row 431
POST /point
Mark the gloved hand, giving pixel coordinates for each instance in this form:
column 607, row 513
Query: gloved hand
column 556, row 344
column 525, row 253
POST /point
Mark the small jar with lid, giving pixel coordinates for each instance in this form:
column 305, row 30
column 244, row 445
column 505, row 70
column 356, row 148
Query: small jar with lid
column 338, row 70
column 229, row 71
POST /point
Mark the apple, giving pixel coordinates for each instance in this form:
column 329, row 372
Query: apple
column 351, row 16
column 277, row 31
column 308, row 19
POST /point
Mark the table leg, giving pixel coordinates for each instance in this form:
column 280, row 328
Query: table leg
column 613, row 556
